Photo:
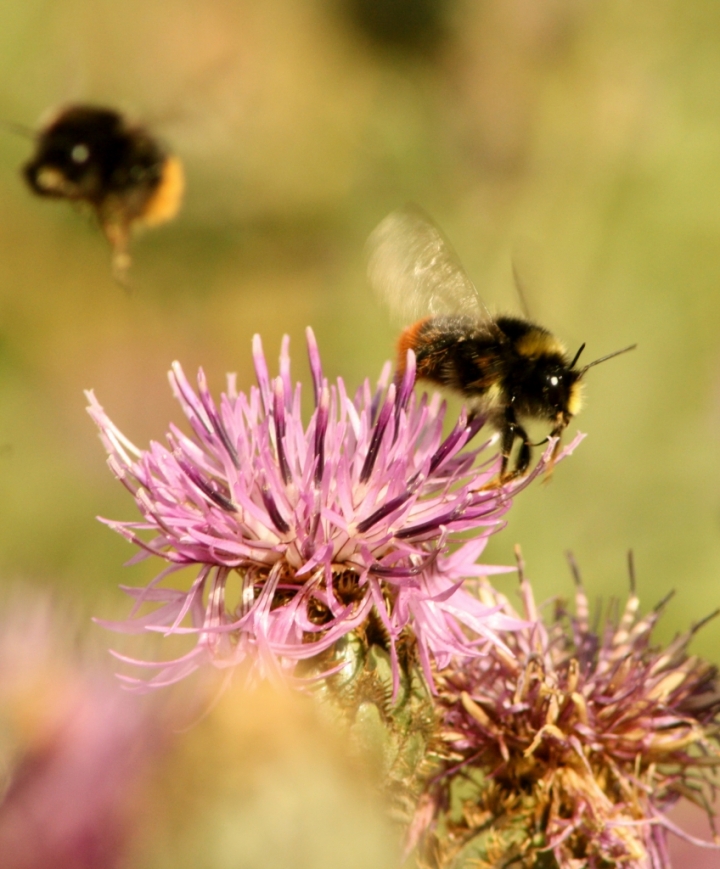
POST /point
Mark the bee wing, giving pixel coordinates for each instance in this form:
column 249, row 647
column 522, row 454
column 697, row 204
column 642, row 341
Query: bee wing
column 414, row 270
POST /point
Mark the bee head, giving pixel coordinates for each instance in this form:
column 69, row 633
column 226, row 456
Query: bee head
column 562, row 391
column 89, row 151
column 72, row 151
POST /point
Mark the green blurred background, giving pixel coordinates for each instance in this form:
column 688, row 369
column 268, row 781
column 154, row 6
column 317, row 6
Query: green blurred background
column 581, row 140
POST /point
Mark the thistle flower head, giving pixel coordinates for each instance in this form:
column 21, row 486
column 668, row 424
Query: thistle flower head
column 582, row 739
column 321, row 526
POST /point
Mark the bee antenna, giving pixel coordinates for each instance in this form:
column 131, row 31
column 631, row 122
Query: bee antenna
column 605, row 358
column 20, row 129
column 577, row 356
column 520, row 289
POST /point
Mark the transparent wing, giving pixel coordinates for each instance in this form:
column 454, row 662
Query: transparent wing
column 414, row 270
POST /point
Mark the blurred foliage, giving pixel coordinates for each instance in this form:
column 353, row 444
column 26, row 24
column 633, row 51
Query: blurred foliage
column 579, row 140
column 259, row 781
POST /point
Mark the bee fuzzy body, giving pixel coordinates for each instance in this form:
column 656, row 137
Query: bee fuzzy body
column 507, row 369
column 94, row 155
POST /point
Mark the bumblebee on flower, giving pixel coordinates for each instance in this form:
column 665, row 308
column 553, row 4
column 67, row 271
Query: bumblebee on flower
column 356, row 513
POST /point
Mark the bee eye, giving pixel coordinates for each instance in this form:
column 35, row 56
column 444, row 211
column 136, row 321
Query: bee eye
column 80, row 153
column 554, row 380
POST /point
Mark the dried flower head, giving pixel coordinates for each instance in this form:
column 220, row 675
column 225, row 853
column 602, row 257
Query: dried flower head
column 354, row 516
column 575, row 746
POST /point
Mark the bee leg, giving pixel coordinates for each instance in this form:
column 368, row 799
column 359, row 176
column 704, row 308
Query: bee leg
column 511, row 430
column 117, row 233
column 507, row 439
column 524, row 453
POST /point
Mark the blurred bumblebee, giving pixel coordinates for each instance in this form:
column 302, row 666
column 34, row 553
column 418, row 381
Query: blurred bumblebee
column 508, row 369
column 94, row 156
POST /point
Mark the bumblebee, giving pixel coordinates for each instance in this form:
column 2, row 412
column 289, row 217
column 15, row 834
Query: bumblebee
column 94, row 156
column 507, row 368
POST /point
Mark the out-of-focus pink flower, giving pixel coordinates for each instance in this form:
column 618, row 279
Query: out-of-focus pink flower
column 358, row 512
column 581, row 739
column 75, row 750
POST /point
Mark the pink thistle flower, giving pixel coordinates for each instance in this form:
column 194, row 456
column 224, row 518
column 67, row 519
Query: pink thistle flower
column 357, row 513
column 579, row 743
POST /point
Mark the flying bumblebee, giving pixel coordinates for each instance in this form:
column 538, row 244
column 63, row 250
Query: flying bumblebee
column 507, row 368
column 95, row 156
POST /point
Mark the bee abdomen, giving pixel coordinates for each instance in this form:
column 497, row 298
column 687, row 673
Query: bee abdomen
column 453, row 352
column 410, row 339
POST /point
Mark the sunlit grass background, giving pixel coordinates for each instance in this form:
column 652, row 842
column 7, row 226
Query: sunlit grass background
column 579, row 140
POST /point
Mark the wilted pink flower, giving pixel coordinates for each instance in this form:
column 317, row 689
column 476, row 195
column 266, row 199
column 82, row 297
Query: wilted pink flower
column 358, row 511
column 578, row 744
